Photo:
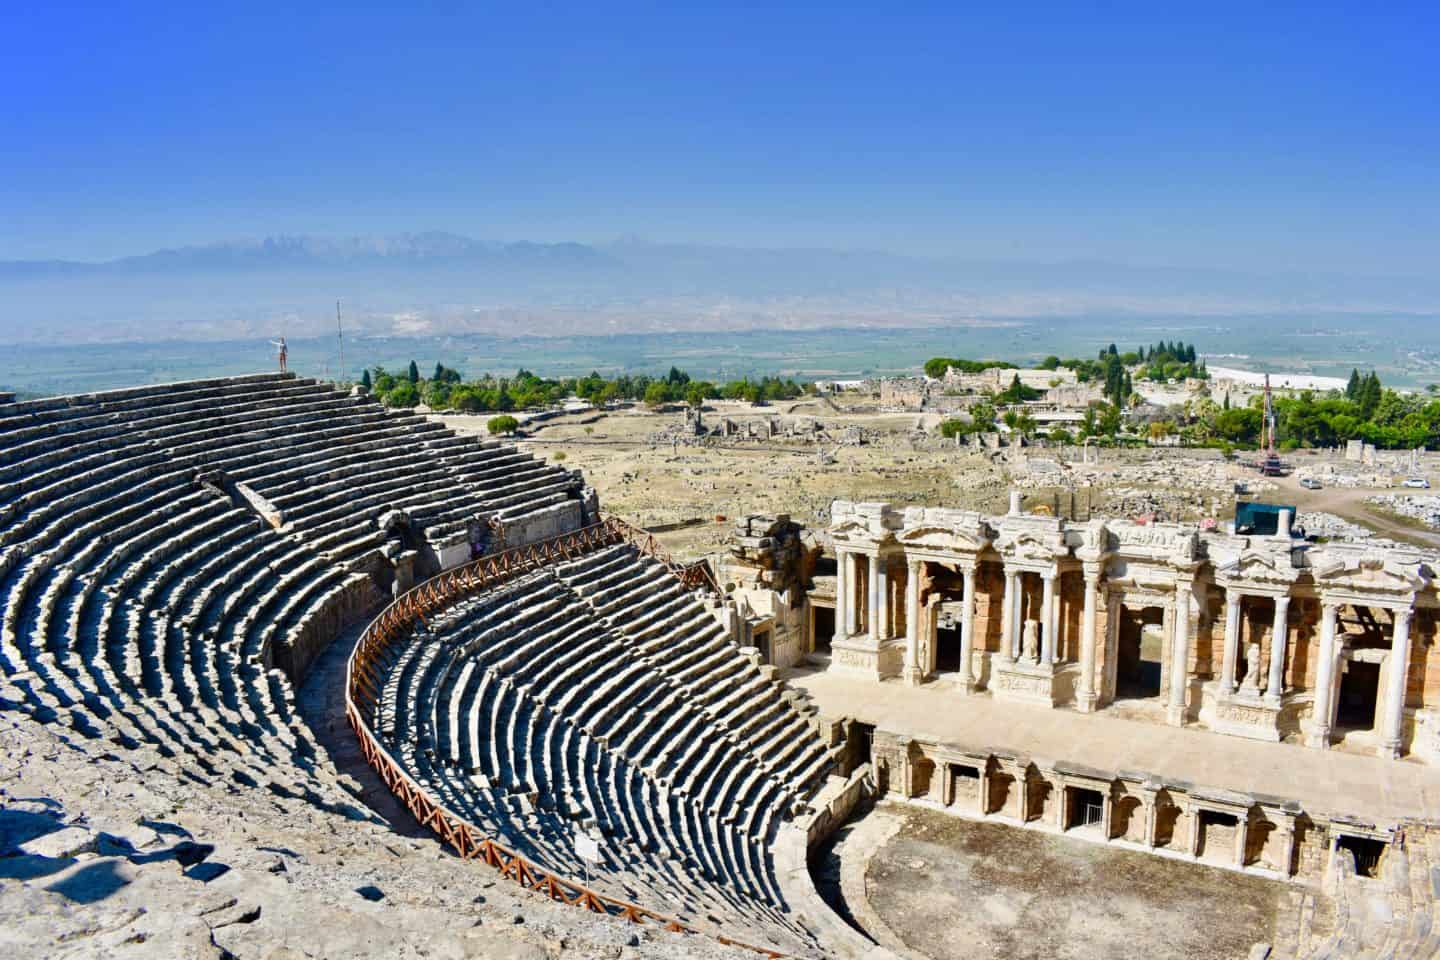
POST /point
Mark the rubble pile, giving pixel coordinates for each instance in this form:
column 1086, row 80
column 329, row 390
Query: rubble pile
column 1424, row 509
column 1328, row 526
column 1342, row 474
column 1211, row 476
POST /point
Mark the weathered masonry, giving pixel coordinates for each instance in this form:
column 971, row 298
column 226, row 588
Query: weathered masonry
column 1267, row 637
column 1267, row 836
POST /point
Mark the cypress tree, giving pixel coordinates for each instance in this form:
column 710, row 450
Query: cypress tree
column 414, row 373
column 1352, row 389
column 365, row 378
column 1369, row 394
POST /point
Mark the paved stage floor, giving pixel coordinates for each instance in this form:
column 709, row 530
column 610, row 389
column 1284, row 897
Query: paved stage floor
column 1322, row 781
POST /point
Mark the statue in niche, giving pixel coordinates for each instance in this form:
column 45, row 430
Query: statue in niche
column 1251, row 683
column 1030, row 647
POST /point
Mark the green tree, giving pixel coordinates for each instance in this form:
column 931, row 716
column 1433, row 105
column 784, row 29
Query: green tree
column 1239, row 425
column 1352, row 388
column 657, row 395
column 695, row 395
column 365, row 378
column 949, row 429
column 1017, row 392
column 505, row 425
column 414, row 373
column 1110, row 420
column 466, row 399
column 1369, row 394
column 403, row 394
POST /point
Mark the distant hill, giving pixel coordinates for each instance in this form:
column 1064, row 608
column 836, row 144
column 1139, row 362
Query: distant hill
column 439, row 283
column 287, row 253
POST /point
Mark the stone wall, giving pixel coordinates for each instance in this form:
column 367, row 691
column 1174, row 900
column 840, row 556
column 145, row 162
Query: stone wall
column 358, row 599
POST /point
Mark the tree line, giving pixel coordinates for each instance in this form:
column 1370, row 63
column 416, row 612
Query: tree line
column 447, row 389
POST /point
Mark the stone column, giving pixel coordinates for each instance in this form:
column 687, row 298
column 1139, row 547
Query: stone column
column 1151, row 800
column 1242, row 836
column 1048, row 647
column 854, row 590
column 1324, row 679
column 1286, row 829
column 1279, row 633
column 872, row 586
column 1180, row 656
column 842, row 600
column 1017, row 615
column 1085, row 695
column 1395, row 678
column 914, row 669
column 967, row 632
column 1233, row 600
column 1107, row 823
column 1007, row 623
column 1193, row 813
column 881, row 616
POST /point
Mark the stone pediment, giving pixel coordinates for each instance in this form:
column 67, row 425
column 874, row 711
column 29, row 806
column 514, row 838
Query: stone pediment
column 1262, row 567
column 944, row 530
column 1369, row 573
column 1025, row 544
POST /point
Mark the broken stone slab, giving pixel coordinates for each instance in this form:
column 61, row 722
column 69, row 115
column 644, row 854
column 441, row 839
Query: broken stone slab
column 60, row 844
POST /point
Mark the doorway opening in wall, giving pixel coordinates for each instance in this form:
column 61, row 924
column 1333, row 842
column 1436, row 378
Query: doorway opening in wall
column 1217, row 835
column 859, row 744
column 947, row 650
column 760, row 640
column 1087, row 808
column 1359, row 690
column 1366, row 851
column 822, row 627
column 1141, row 647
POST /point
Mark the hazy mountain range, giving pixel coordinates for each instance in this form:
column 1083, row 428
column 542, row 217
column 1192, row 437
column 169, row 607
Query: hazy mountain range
column 436, row 283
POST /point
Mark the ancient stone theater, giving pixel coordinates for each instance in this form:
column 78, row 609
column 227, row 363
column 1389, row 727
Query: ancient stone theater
column 612, row 753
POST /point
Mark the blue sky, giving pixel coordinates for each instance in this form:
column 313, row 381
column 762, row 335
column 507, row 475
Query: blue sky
column 1260, row 136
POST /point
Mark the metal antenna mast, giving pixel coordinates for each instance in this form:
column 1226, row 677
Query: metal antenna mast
column 340, row 335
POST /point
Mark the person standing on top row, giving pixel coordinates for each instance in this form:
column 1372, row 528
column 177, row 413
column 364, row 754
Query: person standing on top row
column 284, row 353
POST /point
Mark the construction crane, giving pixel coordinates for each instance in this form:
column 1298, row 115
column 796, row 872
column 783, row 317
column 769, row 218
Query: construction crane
column 1270, row 464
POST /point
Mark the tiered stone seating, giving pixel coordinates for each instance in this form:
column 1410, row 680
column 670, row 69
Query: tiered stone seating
column 142, row 606
column 598, row 695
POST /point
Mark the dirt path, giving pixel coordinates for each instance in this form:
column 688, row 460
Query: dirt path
column 1349, row 502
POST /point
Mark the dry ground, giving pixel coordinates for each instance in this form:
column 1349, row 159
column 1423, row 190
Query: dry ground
column 680, row 490
column 955, row 888
column 658, row 485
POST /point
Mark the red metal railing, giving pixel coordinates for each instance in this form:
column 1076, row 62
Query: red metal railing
column 362, row 697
